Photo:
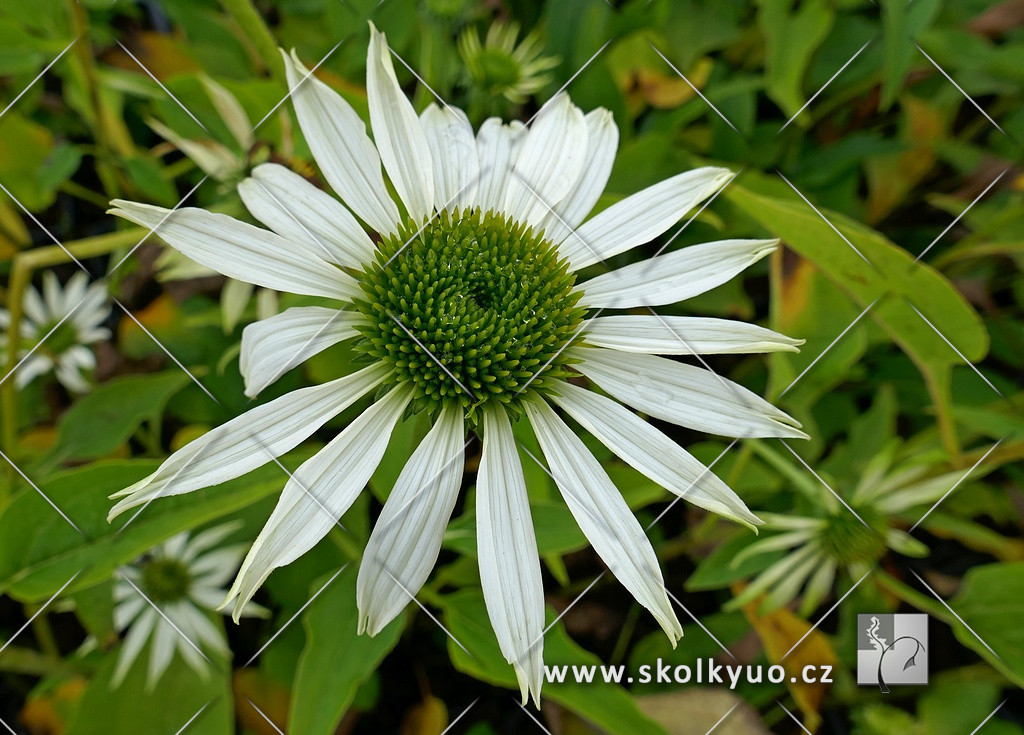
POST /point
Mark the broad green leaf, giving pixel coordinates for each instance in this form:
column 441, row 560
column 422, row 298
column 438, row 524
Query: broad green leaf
column 100, row 422
column 991, row 604
column 40, row 551
column 335, row 660
column 608, row 706
column 792, row 36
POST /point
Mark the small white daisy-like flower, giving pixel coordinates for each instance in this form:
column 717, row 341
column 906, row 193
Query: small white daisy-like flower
column 468, row 308
column 183, row 577
column 500, row 67
column 66, row 352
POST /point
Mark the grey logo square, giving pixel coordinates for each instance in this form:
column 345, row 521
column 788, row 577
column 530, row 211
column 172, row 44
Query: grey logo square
column 892, row 649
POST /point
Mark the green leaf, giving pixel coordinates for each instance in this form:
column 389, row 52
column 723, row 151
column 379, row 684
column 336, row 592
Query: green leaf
column 792, row 35
column 990, row 603
column 336, row 660
column 608, row 706
column 100, row 422
column 717, row 570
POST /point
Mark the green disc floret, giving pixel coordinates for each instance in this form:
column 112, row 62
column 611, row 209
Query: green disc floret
column 849, row 541
column 165, row 580
column 470, row 307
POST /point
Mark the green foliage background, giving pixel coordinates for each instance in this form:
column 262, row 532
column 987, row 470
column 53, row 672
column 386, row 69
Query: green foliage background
column 865, row 135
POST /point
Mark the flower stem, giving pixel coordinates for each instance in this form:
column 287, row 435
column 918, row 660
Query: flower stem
column 258, row 34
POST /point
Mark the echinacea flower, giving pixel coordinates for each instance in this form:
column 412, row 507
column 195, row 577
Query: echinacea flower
column 165, row 598
column 75, row 315
column 468, row 308
column 500, row 67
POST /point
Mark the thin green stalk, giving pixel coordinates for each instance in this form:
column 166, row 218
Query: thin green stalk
column 258, row 34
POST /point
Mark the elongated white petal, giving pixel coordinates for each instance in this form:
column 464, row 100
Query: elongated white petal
column 318, row 494
column 337, row 137
column 161, row 651
column 133, row 643
column 641, row 217
column 127, row 610
column 250, row 440
column 507, row 550
column 649, row 451
column 205, row 540
column 497, row 146
column 407, row 538
column 602, row 142
column 603, row 515
column 453, row 154
column 216, row 567
column 819, row 586
column 34, row 307
column 679, row 275
column 774, row 573
column 31, row 369
column 397, row 131
column 684, row 335
column 548, row 163
column 773, row 543
column 240, row 250
column 294, row 208
column 52, row 295
column 684, row 394
column 271, row 347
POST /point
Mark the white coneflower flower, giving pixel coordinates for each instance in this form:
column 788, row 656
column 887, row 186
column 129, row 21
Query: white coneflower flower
column 67, row 350
column 499, row 67
column 840, row 540
column 184, row 578
column 468, row 308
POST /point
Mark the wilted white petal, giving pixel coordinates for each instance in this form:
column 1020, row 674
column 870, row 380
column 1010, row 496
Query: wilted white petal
column 273, row 346
column 684, row 394
column 641, row 217
column 406, row 540
column 250, row 440
column 603, row 515
column 684, row 335
column 453, row 154
column 507, row 551
column 650, row 452
column 319, row 493
column 679, row 275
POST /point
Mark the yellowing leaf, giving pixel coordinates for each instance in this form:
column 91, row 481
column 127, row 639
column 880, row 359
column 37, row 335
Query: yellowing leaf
column 429, row 717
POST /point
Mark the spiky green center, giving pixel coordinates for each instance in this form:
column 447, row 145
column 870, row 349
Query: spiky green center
column 849, row 541
column 471, row 307
column 165, row 580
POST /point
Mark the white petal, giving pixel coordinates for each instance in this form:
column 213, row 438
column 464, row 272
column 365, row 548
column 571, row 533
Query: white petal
column 684, row 394
column 52, row 294
column 34, row 307
column 773, row 543
column 507, row 551
column 666, row 279
column 216, row 567
column 453, row 154
column 337, row 137
column 397, row 131
column 649, row 451
column 407, row 538
column 75, row 290
column 133, row 643
column 603, row 515
column 319, row 493
column 548, row 163
column 295, row 209
column 250, row 440
column 198, row 627
column 161, row 651
column 684, row 335
column 602, row 142
column 240, row 250
column 497, row 146
column 774, row 573
column 641, row 217
column 32, row 368
column 205, row 540
column 125, row 612
column 231, row 112
column 70, row 376
column 273, row 346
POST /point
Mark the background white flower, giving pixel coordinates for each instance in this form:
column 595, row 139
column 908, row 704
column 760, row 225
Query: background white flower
column 67, row 351
column 165, row 598
column 468, row 308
